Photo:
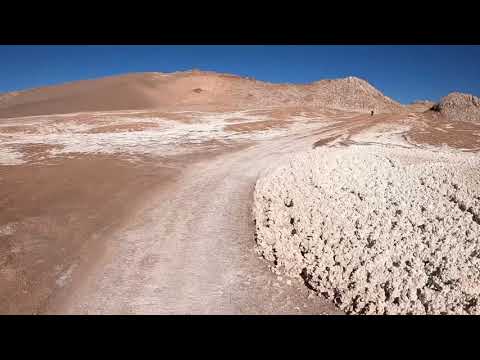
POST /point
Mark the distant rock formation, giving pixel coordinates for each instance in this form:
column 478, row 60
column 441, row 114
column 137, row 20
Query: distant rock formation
column 459, row 106
column 352, row 94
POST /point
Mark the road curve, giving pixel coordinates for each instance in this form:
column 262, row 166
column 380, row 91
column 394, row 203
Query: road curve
column 190, row 248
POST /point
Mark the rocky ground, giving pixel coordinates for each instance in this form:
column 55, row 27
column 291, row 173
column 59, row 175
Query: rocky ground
column 459, row 107
column 383, row 218
column 378, row 230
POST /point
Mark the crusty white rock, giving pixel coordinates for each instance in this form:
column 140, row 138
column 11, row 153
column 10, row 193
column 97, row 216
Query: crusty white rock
column 378, row 230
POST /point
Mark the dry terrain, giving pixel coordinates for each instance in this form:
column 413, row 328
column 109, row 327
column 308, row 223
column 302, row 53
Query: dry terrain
column 134, row 194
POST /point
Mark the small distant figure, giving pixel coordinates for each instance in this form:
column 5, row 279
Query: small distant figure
column 371, row 113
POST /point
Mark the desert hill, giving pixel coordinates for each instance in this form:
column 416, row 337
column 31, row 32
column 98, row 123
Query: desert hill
column 459, row 106
column 192, row 89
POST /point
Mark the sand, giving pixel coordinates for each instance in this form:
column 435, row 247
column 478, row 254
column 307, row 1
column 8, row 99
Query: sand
column 54, row 218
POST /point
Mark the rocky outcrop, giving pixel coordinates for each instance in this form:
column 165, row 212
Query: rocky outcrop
column 377, row 230
column 352, row 94
column 459, row 106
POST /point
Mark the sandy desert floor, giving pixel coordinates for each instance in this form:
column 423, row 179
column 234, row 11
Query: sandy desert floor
column 150, row 212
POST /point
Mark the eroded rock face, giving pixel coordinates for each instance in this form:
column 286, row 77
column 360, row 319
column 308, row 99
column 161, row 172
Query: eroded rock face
column 352, row 94
column 458, row 106
column 377, row 230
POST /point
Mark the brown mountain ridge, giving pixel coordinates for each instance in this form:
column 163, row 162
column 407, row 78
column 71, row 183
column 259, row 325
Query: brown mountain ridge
column 194, row 89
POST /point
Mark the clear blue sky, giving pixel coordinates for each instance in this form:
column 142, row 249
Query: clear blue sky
column 405, row 73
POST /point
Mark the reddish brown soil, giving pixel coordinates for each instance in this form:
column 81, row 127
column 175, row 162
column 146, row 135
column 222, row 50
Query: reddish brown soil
column 36, row 152
column 325, row 141
column 18, row 129
column 257, row 126
column 60, row 213
column 435, row 130
column 138, row 126
column 187, row 90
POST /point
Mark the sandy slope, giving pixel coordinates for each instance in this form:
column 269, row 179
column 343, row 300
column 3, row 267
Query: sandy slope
column 194, row 90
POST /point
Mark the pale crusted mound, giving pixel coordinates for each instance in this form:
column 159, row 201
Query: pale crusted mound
column 378, row 230
column 458, row 106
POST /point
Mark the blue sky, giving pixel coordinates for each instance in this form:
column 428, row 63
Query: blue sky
column 405, row 73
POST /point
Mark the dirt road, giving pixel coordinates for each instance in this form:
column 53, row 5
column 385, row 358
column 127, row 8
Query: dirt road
column 190, row 250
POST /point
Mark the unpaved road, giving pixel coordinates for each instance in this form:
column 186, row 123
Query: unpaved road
column 191, row 249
